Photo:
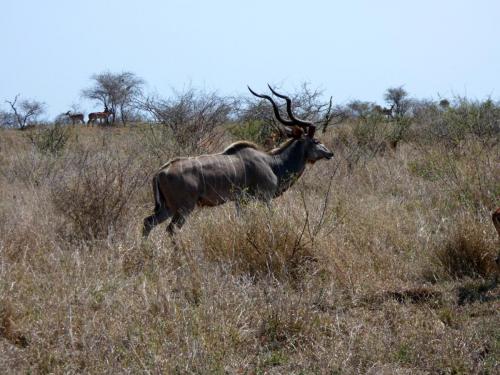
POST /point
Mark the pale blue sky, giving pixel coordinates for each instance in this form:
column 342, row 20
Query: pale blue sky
column 351, row 49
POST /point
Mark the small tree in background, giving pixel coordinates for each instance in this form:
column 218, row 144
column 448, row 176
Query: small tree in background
column 7, row 119
column 397, row 99
column 115, row 91
column 400, row 105
column 359, row 109
column 25, row 112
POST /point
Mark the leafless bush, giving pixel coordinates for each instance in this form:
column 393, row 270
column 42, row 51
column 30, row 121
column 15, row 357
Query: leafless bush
column 7, row 119
column 30, row 168
column 50, row 139
column 358, row 109
column 95, row 192
column 425, row 110
column 370, row 136
column 309, row 104
column 192, row 117
column 26, row 112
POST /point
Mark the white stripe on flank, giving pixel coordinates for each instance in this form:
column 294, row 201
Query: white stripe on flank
column 234, row 168
column 244, row 171
column 202, row 175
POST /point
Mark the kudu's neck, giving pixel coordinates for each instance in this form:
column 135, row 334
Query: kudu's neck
column 288, row 164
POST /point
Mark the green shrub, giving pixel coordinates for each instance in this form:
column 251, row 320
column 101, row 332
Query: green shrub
column 256, row 131
column 454, row 123
column 398, row 130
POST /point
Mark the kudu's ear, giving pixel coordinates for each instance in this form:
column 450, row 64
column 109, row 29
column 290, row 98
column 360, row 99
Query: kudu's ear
column 294, row 132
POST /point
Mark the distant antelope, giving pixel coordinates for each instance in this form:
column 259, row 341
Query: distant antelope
column 99, row 116
column 75, row 117
column 388, row 112
column 242, row 168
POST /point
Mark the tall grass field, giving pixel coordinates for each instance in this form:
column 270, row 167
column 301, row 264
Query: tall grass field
column 380, row 261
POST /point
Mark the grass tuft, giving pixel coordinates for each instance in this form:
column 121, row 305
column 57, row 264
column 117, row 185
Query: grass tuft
column 466, row 252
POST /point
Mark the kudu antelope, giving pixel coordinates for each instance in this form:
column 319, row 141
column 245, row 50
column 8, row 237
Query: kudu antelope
column 99, row 116
column 242, row 168
column 75, row 117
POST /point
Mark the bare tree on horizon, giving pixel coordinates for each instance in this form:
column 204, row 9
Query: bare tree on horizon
column 116, row 91
column 26, row 111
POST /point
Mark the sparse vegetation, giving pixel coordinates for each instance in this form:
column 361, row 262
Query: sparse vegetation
column 465, row 252
column 49, row 139
column 25, row 112
column 117, row 92
column 380, row 260
column 94, row 193
column 190, row 120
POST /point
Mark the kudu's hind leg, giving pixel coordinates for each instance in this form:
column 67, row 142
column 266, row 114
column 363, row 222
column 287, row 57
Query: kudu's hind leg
column 151, row 221
column 177, row 222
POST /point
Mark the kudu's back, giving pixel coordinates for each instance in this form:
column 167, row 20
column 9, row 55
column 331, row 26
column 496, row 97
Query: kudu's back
column 210, row 180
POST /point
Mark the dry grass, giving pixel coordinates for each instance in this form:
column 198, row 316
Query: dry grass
column 466, row 252
column 388, row 272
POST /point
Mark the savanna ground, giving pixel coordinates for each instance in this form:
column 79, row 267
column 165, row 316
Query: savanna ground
column 378, row 261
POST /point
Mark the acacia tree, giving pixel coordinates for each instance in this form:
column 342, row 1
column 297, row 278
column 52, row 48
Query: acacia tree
column 359, row 109
column 115, row 91
column 26, row 111
column 397, row 98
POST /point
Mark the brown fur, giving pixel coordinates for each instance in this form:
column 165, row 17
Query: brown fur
column 233, row 149
column 94, row 116
column 171, row 161
column 76, row 117
column 278, row 150
column 241, row 169
column 237, row 146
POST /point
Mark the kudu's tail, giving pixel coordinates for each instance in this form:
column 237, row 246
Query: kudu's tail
column 159, row 198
